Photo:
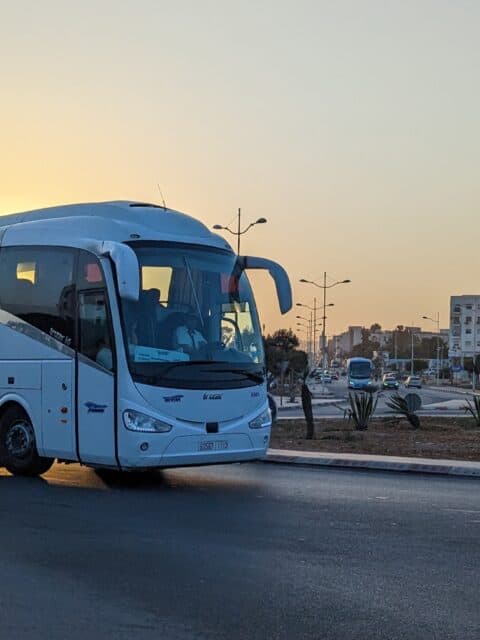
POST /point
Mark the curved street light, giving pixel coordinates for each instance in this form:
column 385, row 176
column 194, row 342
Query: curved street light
column 324, row 286
column 238, row 232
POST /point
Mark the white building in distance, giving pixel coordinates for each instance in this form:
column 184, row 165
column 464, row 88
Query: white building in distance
column 464, row 338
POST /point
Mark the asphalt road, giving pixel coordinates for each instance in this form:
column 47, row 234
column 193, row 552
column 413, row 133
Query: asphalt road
column 339, row 390
column 240, row 552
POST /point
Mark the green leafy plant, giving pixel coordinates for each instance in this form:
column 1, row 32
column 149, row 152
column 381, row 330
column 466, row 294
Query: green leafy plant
column 402, row 407
column 474, row 409
column 362, row 408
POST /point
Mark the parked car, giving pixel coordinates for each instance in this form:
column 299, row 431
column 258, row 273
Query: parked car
column 326, row 378
column 413, row 381
column 389, row 381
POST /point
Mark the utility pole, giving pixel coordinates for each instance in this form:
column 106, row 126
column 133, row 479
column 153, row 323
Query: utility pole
column 310, row 341
column 437, row 322
column 411, row 354
column 324, row 355
column 474, row 319
column 238, row 231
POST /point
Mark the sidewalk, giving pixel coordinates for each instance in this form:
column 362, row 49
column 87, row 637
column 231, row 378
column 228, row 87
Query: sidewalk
column 384, row 463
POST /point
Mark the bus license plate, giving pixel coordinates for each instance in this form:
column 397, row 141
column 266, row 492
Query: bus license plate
column 213, row 445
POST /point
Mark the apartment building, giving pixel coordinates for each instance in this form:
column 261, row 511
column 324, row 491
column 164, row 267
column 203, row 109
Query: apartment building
column 343, row 343
column 464, row 337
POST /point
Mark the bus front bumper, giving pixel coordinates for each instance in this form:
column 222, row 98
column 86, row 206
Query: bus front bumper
column 198, row 450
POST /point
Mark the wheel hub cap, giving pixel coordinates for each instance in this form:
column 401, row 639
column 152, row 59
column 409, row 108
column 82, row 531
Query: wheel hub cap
column 19, row 440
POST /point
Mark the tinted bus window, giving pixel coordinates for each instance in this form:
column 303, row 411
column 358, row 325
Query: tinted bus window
column 37, row 285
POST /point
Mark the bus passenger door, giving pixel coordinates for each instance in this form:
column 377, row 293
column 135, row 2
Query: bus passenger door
column 95, row 381
column 58, row 417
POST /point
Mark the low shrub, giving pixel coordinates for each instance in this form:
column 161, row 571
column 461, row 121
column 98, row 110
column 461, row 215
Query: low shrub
column 402, row 407
column 473, row 407
column 362, row 408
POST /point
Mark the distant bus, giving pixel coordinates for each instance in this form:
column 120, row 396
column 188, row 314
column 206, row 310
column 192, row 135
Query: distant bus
column 359, row 373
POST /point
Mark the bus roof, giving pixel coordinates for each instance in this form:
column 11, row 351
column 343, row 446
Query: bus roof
column 121, row 221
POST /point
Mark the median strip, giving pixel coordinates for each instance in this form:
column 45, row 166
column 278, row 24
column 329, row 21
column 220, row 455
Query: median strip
column 383, row 463
column 437, row 444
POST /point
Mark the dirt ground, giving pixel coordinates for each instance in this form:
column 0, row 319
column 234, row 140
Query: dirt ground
column 442, row 437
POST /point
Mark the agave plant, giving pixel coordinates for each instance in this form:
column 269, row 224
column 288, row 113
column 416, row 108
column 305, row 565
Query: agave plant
column 474, row 409
column 362, row 408
column 401, row 406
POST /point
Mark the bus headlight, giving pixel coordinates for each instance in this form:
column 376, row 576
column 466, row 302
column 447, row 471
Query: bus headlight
column 135, row 421
column 262, row 421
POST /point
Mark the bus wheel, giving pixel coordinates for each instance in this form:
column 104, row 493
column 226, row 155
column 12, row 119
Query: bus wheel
column 18, row 451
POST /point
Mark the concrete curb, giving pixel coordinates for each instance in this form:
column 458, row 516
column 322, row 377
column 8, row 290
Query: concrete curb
column 327, row 403
column 463, row 468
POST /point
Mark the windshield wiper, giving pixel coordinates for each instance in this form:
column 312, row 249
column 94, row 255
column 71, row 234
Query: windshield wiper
column 189, row 272
column 251, row 375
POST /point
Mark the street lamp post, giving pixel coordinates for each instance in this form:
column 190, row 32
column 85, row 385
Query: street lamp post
column 239, row 232
column 314, row 309
column 311, row 331
column 324, row 286
column 411, row 351
column 306, row 328
column 437, row 322
column 474, row 351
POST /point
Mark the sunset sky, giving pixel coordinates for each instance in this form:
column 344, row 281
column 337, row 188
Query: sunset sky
column 353, row 127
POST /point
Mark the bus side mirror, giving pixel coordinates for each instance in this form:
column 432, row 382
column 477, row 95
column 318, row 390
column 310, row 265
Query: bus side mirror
column 279, row 275
column 126, row 266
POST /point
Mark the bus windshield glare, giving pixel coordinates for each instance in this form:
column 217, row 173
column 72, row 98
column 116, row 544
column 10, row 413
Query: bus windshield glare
column 195, row 320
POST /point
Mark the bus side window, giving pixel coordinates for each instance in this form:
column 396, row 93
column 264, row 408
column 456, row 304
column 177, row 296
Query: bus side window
column 37, row 286
column 95, row 339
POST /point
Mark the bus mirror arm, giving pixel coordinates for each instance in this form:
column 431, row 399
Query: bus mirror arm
column 126, row 266
column 279, row 275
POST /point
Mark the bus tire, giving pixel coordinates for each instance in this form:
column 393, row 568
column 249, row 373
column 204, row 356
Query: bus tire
column 18, row 449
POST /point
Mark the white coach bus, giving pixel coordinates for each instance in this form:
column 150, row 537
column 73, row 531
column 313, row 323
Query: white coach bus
column 129, row 339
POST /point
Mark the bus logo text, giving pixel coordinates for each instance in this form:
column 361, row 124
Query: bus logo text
column 95, row 408
column 172, row 398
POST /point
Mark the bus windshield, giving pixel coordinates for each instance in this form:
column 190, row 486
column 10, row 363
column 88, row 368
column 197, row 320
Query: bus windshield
column 195, row 321
column 360, row 370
